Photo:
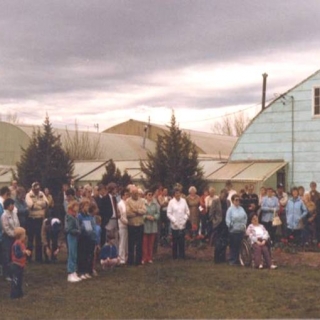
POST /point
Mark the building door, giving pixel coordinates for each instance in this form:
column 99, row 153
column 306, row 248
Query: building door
column 281, row 177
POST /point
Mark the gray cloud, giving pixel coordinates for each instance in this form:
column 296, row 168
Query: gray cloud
column 60, row 47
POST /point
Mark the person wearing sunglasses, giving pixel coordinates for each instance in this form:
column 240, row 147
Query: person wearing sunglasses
column 236, row 220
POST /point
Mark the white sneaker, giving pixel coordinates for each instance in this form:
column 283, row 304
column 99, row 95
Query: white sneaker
column 76, row 276
column 273, row 266
column 261, row 266
column 87, row 275
column 72, row 278
column 83, row 277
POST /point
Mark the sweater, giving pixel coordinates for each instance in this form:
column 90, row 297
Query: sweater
column 256, row 232
column 108, row 251
column 18, row 255
column 87, row 226
column 178, row 213
column 136, row 209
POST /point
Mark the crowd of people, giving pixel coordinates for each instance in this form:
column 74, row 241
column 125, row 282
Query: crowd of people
column 113, row 226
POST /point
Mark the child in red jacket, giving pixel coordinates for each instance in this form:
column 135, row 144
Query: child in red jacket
column 18, row 256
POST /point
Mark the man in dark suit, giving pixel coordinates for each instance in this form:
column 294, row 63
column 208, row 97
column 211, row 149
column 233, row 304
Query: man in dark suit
column 103, row 203
column 112, row 212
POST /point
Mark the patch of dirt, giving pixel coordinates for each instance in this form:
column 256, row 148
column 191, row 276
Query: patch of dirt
column 281, row 258
column 311, row 259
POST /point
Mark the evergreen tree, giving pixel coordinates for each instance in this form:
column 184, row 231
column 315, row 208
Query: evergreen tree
column 45, row 161
column 175, row 160
column 113, row 174
column 125, row 179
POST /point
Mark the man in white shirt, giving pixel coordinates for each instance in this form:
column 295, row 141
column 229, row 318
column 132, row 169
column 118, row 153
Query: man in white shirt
column 231, row 191
column 178, row 213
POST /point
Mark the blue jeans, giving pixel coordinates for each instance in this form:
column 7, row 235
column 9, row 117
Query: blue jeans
column 72, row 253
column 235, row 245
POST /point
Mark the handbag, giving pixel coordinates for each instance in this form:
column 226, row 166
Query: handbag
column 276, row 220
column 300, row 224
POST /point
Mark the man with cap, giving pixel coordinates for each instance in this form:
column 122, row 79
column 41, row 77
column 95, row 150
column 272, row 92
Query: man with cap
column 37, row 204
column 283, row 200
column 314, row 194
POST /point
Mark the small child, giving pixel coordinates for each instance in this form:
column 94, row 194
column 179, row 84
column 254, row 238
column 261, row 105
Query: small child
column 109, row 254
column 72, row 229
column 18, row 256
column 50, row 231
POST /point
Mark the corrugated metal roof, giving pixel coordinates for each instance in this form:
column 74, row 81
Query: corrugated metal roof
column 82, row 168
column 228, row 171
column 259, row 171
column 219, row 146
column 113, row 146
column 246, row 171
column 210, row 166
column 213, row 144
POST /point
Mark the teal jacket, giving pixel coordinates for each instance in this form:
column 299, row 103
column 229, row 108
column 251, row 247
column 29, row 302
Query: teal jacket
column 151, row 226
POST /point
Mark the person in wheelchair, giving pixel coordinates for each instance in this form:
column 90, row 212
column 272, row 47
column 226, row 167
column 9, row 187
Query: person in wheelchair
column 260, row 242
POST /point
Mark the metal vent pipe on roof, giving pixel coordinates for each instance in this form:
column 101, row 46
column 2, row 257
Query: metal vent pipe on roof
column 264, row 87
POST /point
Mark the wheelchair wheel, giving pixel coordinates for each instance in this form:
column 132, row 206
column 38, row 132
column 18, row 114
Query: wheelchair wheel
column 245, row 255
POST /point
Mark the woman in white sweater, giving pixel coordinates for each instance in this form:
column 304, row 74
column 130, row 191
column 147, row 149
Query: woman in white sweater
column 259, row 238
column 178, row 214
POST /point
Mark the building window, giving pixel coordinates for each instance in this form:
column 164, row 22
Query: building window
column 316, row 101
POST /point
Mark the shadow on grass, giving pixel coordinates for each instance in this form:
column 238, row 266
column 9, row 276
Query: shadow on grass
column 166, row 289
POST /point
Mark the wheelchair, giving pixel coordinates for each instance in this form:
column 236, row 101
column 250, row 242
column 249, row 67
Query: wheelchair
column 246, row 252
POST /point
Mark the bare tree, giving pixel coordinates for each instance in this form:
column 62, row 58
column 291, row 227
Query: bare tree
column 231, row 125
column 11, row 117
column 225, row 127
column 81, row 145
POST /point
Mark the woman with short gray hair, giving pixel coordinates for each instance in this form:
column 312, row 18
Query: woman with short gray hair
column 193, row 201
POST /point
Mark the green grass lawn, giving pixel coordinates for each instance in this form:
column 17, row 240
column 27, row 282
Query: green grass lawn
column 167, row 289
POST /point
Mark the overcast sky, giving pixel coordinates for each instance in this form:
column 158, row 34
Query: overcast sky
column 106, row 61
